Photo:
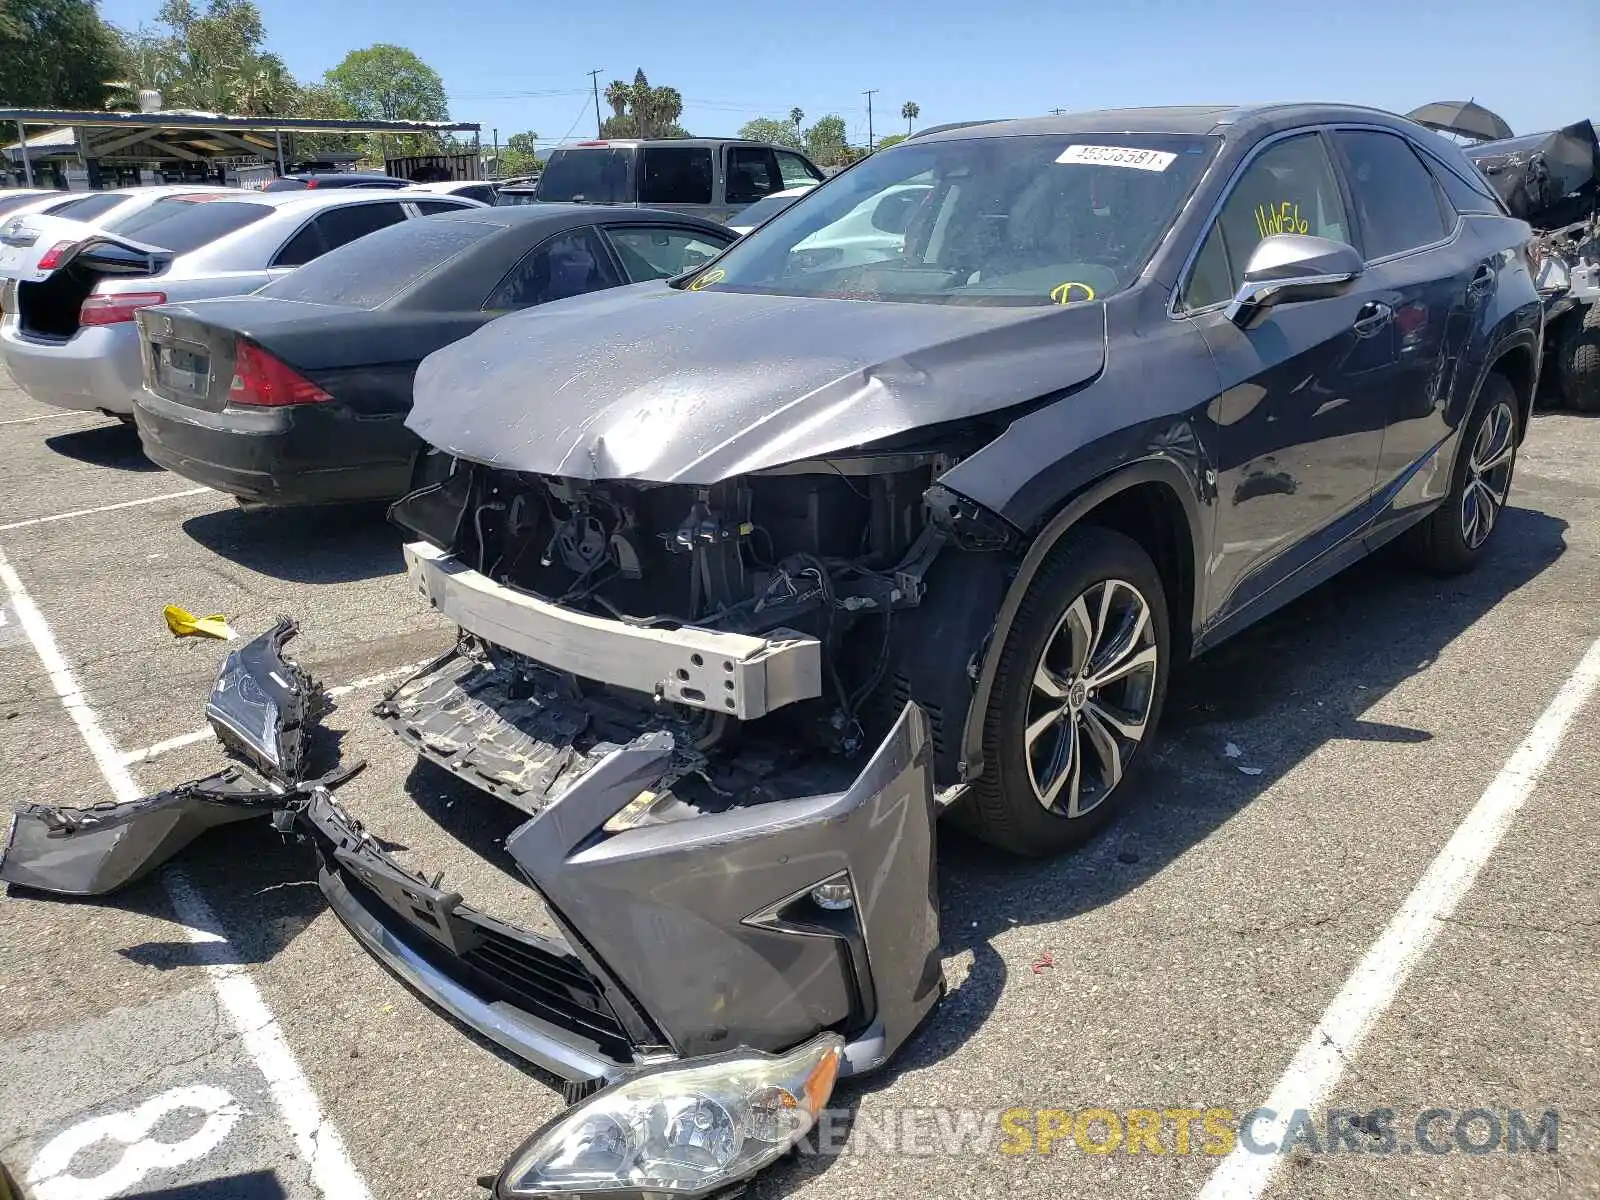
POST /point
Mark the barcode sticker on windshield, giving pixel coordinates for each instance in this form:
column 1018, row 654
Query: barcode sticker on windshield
column 1118, row 156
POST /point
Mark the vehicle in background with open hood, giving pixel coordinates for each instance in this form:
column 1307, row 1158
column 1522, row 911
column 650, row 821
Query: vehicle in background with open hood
column 1552, row 181
column 69, row 337
column 298, row 393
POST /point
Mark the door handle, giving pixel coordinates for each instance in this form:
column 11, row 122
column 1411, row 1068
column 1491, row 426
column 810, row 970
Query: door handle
column 1482, row 281
column 1372, row 317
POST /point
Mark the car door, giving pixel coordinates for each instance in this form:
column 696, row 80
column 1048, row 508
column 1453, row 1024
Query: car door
column 679, row 178
column 568, row 263
column 657, row 251
column 1419, row 263
column 751, row 174
column 1298, row 427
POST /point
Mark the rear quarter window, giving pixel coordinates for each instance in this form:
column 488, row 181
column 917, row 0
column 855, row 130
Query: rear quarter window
column 185, row 226
column 88, row 208
column 373, row 270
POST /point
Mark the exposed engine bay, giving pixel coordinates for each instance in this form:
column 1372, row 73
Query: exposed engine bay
column 828, row 564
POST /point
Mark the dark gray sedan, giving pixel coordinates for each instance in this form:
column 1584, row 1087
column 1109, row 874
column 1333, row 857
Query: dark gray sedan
column 298, row 393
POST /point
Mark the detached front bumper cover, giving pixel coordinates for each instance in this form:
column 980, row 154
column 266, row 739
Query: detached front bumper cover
column 262, row 707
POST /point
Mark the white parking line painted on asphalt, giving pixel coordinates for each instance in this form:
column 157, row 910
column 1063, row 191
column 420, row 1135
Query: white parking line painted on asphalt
column 55, row 416
column 86, row 512
column 201, row 735
column 318, row 1140
column 1379, row 976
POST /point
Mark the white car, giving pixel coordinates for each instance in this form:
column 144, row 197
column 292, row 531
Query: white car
column 69, row 338
column 480, row 190
column 766, row 208
column 103, row 210
column 872, row 231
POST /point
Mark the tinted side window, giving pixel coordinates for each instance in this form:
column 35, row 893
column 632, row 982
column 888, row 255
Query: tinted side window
column 1288, row 188
column 676, row 175
column 796, row 171
column 752, row 174
column 482, row 193
column 1464, row 197
column 661, row 253
column 428, row 207
column 567, row 264
column 1394, row 195
column 346, row 224
column 302, row 247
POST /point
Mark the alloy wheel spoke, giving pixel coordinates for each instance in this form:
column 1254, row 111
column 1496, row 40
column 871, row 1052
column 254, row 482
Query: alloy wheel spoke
column 1129, row 725
column 1498, row 498
column 1500, row 455
column 1144, row 658
column 1037, row 730
column 1077, row 615
column 1048, row 682
column 1065, row 772
column 1127, row 641
column 1105, row 747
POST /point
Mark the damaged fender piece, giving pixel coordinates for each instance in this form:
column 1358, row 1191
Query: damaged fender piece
column 262, row 709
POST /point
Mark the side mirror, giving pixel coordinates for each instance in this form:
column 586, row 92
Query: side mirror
column 1286, row 267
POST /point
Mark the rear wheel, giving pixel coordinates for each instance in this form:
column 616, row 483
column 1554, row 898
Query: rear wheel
column 1076, row 696
column 1455, row 535
column 1579, row 360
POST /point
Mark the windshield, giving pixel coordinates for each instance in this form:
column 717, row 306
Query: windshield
column 1034, row 219
column 763, row 210
column 596, row 176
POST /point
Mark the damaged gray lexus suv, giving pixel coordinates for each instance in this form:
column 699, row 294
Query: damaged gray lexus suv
column 907, row 503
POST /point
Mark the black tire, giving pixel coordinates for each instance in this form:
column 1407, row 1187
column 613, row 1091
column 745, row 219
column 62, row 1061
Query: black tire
column 1004, row 808
column 1578, row 362
column 1451, row 539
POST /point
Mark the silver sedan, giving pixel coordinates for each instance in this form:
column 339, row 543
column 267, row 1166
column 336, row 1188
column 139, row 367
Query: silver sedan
column 69, row 338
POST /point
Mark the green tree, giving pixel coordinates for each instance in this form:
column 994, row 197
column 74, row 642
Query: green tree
column 765, row 129
column 910, row 110
column 520, row 156
column 795, row 117
column 209, row 59
column 55, row 54
column 318, row 101
column 894, row 139
column 825, row 142
column 390, row 83
column 640, row 110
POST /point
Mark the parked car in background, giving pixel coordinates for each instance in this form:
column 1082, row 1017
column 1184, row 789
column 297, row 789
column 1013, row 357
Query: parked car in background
column 68, row 337
column 1552, row 181
column 304, row 180
column 298, row 393
column 709, row 177
column 767, row 208
column 509, row 194
column 481, row 190
column 12, row 199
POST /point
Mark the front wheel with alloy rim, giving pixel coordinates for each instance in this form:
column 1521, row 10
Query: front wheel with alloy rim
column 1076, row 695
column 1453, row 537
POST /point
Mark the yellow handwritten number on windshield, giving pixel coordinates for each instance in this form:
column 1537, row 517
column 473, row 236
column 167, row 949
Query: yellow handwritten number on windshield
column 707, row 279
column 1062, row 293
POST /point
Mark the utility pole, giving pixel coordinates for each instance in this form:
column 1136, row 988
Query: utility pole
column 594, row 78
column 1056, row 112
column 869, row 94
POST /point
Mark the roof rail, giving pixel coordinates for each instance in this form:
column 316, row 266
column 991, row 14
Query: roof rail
column 954, row 125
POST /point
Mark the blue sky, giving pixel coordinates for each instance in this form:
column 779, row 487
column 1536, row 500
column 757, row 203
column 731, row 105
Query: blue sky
column 517, row 65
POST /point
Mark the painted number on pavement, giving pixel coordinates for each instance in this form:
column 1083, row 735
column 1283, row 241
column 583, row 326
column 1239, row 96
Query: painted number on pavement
column 52, row 1176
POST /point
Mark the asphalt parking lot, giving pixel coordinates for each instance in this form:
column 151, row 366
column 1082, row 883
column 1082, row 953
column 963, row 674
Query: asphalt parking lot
column 213, row 1032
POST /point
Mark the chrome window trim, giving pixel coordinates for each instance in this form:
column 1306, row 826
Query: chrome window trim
column 1174, row 309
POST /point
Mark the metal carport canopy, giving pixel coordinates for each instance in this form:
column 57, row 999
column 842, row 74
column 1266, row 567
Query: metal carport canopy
column 169, row 121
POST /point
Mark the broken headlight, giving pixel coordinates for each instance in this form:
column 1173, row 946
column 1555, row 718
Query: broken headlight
column 680, row 1129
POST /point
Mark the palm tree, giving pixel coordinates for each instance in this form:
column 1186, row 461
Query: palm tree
column 910, row 112
column 795, row 117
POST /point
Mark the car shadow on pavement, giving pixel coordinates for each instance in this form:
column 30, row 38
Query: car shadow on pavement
column 324, row 544
column 1319, row 662
column 115, row 445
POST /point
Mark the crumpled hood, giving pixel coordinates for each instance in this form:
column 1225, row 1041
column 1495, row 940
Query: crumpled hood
column 652, row 383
